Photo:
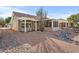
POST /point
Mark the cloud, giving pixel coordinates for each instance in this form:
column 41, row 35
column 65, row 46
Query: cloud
column 58, row 15
column 7, row 11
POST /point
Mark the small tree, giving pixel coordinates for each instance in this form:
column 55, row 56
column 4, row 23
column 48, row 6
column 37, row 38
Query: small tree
column 7, row 20
column 41, row 15
column 74, row 19
column 2, row 22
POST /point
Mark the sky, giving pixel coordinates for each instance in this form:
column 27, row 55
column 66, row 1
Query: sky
column 52, row 11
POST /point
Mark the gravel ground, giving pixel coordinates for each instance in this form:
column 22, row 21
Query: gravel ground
column 7, row 41
column 34, row 42
column 49, row 46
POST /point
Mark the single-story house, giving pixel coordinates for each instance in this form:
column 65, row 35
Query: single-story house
column 25, row 22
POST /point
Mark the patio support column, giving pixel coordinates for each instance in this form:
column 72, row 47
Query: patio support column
column 66, row 25
column 52, row 24
column 25, row 25
column 58, row 25
column 35, row 25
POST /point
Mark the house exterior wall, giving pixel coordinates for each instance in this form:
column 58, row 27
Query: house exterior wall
column 15, row 23
column 30, row 23
column 60, row 25
column 48, row 29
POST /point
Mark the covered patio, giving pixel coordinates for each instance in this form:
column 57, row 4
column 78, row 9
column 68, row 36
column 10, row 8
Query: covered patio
column 27, row 25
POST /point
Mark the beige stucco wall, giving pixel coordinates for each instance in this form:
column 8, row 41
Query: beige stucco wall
column 15, row 24
column 14, row 21
column 60, row 21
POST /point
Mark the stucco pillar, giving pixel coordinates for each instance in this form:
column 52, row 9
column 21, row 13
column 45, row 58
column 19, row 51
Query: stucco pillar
column 52, row 24
column 35, row 25
column 25, row 25
column 66, row 24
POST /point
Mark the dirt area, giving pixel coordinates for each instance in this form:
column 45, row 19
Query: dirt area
column 38, row 42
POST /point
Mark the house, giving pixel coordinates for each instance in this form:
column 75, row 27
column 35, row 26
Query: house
column 25, row 22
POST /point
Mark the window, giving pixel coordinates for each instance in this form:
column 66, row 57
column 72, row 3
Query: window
column 22, row 20
column 62, row 24
column 71, row 24
column 22, row 26
column 47, row 23
column 67, row 24
column 55, row 23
